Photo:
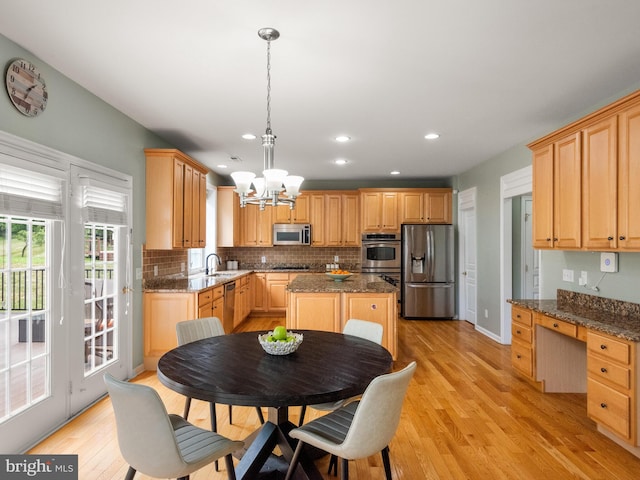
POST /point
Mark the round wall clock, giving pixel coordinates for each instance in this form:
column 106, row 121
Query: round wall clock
column 26, row 88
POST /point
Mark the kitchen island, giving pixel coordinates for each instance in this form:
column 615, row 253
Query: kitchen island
column 317, row 302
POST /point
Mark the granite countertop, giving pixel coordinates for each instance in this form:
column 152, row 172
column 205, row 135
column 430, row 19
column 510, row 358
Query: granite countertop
column 357, row 283
column 192, row 284
column 614, row 317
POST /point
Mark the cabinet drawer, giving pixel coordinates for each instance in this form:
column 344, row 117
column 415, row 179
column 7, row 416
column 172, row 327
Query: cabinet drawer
column 609, row 347
column 284, row 277
column 218, row 292
column 559, row 326
column 522, row 333
column 609, row 407
column 521, row 315
column 522, row 359
column 205, row 297
column 604, row 369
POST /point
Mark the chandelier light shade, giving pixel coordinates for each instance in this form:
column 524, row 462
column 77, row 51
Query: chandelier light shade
column 268, row 188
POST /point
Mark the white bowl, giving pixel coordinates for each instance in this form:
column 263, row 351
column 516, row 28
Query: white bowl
column 280, row 347
column 339, row 277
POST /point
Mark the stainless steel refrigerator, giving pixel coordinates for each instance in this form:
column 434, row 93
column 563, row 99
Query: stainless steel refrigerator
column 427, row 274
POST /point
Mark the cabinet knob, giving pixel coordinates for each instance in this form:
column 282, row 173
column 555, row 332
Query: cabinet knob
column 603, row 405
column 518, row 332
column 518, row 357
column 603, row 347
column 622, row 237
column 609, row 238
column 374, row 306
column 548, row 239
column 603, row 370
column 555, row 325
column 517, row 315
column 555, row 239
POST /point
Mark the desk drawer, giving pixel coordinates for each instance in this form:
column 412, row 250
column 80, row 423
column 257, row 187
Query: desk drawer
column 522, row 359
column 609, row 407
column 603, row 369
column 522, row 333
column 614, row 349
column 521, row 315
column 559, row 326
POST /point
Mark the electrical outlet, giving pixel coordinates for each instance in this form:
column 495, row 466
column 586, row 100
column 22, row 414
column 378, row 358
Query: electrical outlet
column 583, row 280
column 263, row 259
column 183, row 267
column 155, row 270
column 138, row 273
column 336, row 259
column 567, row 275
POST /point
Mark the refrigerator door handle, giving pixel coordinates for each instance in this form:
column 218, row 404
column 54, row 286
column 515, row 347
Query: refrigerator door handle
column 430, row 285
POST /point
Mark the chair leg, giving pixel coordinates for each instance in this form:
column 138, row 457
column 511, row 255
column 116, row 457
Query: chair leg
column 344, row 469
column 333, row 465
column 214, row 424
column 260, row 416
column 187, row 406
column 386, row 462
column 230, row 415
column 231, row 471
column 303, row 411
column 294, row 460
column 130, row 473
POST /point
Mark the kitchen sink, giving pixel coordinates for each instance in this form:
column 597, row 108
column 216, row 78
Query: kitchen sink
column 221, row 274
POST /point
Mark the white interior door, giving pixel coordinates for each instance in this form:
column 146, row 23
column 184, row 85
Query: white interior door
column 530, row 257
column 468, row 256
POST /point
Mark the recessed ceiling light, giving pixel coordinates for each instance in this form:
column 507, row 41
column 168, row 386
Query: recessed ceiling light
column 249, row 136
column 432, row 136
column 340, row 161
column 342, row 138
column 395, row 172
column 222, row 166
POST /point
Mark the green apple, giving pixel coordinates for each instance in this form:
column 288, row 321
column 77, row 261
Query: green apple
column 280, row 333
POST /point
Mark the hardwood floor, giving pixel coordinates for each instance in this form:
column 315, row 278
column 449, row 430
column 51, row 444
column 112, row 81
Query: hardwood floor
column 467, row 415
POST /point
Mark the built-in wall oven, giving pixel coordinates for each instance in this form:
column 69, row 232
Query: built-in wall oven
column 381, row 255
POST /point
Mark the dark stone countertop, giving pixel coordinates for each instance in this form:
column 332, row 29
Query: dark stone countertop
column 614, row 317
column 192, row 284
column 357, row 283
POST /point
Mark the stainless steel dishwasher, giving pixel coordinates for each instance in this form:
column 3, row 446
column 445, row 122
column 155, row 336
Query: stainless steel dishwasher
column 228, row 310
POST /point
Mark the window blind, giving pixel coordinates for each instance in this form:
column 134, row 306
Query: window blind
column 104, row 206
column 30, row 194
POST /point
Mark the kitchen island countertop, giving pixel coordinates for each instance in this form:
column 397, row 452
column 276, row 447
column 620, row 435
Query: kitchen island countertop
column 357, row 283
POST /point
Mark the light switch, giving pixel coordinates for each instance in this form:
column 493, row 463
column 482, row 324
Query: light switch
column 609, row 262
column 567, row 275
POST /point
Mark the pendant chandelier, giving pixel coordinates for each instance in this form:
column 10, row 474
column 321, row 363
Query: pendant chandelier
column 274, row 181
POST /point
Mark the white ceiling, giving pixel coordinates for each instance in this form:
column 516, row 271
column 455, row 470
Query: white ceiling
column 485, row 74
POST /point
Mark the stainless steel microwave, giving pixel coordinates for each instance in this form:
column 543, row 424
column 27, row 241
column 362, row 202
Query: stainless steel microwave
column 291, row 234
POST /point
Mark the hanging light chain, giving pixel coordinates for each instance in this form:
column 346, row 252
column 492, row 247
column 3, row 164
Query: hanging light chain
column 269, row 87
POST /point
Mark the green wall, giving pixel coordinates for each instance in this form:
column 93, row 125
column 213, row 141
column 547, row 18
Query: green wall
column 78, row 123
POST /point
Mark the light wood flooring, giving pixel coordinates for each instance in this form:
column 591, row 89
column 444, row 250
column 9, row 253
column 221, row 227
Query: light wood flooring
column 467, row 415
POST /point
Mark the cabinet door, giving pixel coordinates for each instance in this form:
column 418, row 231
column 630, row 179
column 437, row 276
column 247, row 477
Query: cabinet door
column 599, row 185
column 259, row 292
column 228, row 217
column 566, row 189
column 187, row 210
column 543, row 197
column 249, row 225
column 201, row 200
column 264, row 228
column 371, row 211
column 412, row 206
column 178, row 203
column 317, row 218
column 390, row 212
column 300, row 214
column 629, row 180
column 380, row 309
column 314, row 311
column 282, row 214
column 277, row 291
column 333, row 220
column 351, row 220
column 217, row 308
column 438, row 207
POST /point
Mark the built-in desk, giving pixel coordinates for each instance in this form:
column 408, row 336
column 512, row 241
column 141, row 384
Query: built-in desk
column 579, row 344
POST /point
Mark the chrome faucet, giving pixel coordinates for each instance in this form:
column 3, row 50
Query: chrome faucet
column 206, row 262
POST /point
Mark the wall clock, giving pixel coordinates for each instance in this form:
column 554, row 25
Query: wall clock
column 26, row 88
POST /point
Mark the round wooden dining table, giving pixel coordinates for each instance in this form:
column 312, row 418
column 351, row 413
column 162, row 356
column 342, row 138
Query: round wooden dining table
column 235, row 370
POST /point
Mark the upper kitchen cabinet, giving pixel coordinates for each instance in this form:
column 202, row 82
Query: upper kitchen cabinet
column 586, row 178
column 256, row 226
column 334, row 218
column 556, row 194
column 176, row 192
column 379, row 210
column 297, row 214
column 228, row 217
column 242, row 227
column 425, row 206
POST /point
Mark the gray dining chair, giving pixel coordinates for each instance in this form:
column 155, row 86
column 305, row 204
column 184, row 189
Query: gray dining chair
column 359, row 328
column 158, row 444
column 192, row 330
column 360, row 428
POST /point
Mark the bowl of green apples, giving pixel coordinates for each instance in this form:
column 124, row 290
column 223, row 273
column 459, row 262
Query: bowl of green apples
column 280, row 341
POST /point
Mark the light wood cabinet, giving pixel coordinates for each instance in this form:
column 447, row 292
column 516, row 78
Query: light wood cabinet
column 379, row 211
column 412, row 206
column 595, row 213
column 227, row 217
column 259, row 303
column 299, row 214
column 256, row 226
column 317, row 311
column 242, row 305
column 375, row 308
column 334, row 218
column 270, row 291
column 438, row 206
column 432, row 205
column 523, row 341
column 611, row 384
column 175, row 200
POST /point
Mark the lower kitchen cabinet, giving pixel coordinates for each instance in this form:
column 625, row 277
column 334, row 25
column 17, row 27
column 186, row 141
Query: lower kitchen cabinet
column 270, row 292
column 242, row 306
column 522, row 346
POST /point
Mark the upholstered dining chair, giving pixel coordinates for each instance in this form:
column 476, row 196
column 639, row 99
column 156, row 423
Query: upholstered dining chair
column 191, row 330
column 358, row 328
column 160, row 445
column 360, row 428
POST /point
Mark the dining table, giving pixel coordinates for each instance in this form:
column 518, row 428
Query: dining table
column 235, row 370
